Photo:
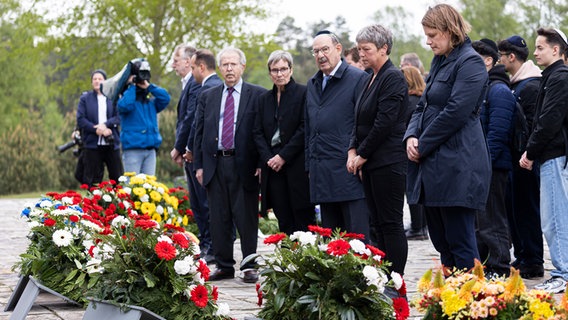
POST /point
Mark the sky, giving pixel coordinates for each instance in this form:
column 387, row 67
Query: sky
column 358, row 13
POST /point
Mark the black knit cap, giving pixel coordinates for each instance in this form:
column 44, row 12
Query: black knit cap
column 101, row 71
column 487, row 47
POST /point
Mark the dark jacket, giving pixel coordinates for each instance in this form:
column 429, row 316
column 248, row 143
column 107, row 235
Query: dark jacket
column 454, row 168
column 207, row 134
column 497, row 118
column 289, row 118
column 186, row 113
column 547, row 139
column 380, row 119
column 88, row 117
column 211, row 82
column 329, row 125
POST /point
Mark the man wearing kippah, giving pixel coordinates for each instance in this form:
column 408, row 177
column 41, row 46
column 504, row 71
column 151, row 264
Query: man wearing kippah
column 548, row 145
column 523, row 206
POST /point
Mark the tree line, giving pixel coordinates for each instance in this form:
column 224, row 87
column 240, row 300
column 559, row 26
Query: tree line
column 47, row 54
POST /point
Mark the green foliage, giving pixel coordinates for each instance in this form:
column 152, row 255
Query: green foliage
column 489, row 19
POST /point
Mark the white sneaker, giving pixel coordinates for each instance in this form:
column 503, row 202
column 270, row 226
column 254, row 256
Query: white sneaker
column 552, row 285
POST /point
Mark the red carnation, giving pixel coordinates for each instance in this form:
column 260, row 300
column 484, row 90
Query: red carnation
column 165, row 250
column 324, row 232
column 402, row 289
column 181, row 240
column 215, row 293
column 259, row 294
column 375, row 251
column 274, row 238
column 145, row 224
column 85, row 186
column 74, row 218
column 401, row 308
column 49, row 222
column 203, row 269
column 199, row 296
column 338, row 247
column 351, row 235
column 169, row 226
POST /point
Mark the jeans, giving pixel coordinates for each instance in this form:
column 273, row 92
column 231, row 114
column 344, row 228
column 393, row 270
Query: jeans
column 139, row 161
column 554, row 212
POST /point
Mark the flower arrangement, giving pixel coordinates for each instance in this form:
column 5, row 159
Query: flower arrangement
column 322, row 274
column 469, row 295
column 154, row 266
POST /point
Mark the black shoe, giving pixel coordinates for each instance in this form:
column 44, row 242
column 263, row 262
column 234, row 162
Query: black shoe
column 417, row 234
column 532, row 271
column 250, row 276
column 221, row 274
column 516, row 264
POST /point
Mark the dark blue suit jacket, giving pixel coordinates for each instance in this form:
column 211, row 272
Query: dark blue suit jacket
column 186, row 113
column 211, row 82
column 207, row 131
column 88, row 117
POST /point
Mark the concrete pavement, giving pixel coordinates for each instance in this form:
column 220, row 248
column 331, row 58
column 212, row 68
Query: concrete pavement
column 240, row 296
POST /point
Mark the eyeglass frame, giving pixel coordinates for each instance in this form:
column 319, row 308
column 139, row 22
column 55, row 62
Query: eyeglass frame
column 283, row 71
column 325, row 50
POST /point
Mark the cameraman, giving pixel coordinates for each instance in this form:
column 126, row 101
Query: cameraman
column 139, row 118
column 98, row 122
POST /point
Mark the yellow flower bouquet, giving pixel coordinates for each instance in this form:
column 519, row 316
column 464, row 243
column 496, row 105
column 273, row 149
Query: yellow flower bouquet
column 470, row 295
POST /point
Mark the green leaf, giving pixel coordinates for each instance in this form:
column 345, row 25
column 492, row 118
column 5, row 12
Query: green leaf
column 312, row 276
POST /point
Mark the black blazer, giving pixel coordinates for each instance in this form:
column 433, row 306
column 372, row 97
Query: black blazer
column 381, row 114
column 88, row 117
column 289, row 117
column 207, row 132
column 186, row 113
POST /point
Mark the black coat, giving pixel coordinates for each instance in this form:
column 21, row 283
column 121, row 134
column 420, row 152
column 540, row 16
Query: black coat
column 547, row 140
column 289, row 117
column 381, row 115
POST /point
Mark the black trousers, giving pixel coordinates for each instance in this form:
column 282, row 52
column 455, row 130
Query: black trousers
column 452, row 231
column 524, row 216
column 384, row 190
column 94, row 161
column 230, row 203
column 291, row 206
column 492, row 230
column 200, row 208
column 349, row 216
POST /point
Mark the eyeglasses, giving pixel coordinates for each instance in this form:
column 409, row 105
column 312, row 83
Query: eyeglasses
column 281, row 70
column 504, row 53
column 226, row 66
column 325, row 50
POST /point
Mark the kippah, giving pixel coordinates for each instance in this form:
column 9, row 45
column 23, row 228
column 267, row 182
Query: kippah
column 323, row 32
column 562, row 35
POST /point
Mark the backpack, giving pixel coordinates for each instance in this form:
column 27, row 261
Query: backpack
column 521, row 130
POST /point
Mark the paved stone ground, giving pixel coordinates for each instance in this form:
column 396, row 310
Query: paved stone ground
column 240, row 296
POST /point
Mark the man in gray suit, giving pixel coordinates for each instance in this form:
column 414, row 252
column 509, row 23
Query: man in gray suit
column 226, row 163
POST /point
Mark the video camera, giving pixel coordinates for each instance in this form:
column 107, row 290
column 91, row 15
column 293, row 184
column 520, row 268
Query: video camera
column 77, row 141
column 117, row 84
column 141, row 71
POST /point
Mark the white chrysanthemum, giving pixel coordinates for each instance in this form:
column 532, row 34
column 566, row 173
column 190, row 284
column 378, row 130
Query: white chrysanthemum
column 223, row 310
column 304, row 237
column 396, row 279
column 371, row 274
column 126, row 204
column 165, row 238
column 107, row 198
column 196, row 249
column 161, row 190
column 147, row 186
column 67, row 200
column 32, row 224
column 97, row 192
column 122, row 179
column 170, row 210
column 145, row 198
column 322, row 247
column 160, row 209
column 62, row 238
column 36, row 213
column 120, row 221
column 359, row 247
column 45, row 203
column 127, row 190
column 88, row 244
column 91, row 225
column 377, row 258
column 94, row 266
column 198, row 278
column 182, row 267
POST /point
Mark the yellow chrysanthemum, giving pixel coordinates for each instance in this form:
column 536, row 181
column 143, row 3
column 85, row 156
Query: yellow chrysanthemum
column 137, row 205
column 174, row 202
column 540, row 309
column 451, row 302
column 155, row 196
column 148, row 208
column 156, row 217
column 129, row 174
column 185, row 220
column 136, row 181
column 139, row 191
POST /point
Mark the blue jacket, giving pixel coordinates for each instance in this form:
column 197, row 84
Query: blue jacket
column 140, row 120
column 497, row 118
column 454, row 168
column 328, row 126
column 88, row 117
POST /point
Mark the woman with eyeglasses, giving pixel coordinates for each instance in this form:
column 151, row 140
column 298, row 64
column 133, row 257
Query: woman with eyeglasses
column 279, row 136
